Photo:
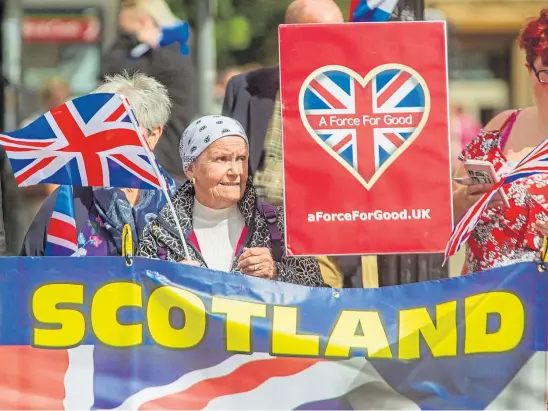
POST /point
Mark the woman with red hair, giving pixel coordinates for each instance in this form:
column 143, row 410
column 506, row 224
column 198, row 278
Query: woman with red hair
column 507, row 235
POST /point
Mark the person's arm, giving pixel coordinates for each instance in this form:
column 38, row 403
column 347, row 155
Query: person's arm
column 464, row 196
column 297, row 270
column 148, row 245
column 11, row 206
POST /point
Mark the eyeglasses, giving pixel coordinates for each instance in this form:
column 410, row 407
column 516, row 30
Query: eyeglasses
column 542, row 75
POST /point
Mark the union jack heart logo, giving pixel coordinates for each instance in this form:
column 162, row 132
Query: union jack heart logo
column 365, row 123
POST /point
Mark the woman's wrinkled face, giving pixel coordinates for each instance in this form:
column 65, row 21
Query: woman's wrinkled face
column 220, row 173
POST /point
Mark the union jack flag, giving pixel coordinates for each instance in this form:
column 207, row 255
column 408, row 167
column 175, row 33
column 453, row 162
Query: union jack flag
column 88, row 141
column 334, row 100
column 61, row 239
column 535, row 162
column 371, row 10
column 97, row 377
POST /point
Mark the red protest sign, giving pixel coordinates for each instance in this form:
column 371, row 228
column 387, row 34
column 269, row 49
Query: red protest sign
column 366, row 140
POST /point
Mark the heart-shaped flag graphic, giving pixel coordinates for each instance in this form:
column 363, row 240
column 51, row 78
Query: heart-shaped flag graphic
column 365, row 123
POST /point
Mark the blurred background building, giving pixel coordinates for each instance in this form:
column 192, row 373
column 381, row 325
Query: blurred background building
column 46, row 39
column 64, row 38
column 487, row 72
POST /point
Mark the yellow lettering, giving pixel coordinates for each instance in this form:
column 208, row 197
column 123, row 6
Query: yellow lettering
column 161, row 301
column 71, row 323
column 512, row 322
column 440, row 338
column 106, row 303
column 238, row 321
column 285, row 340
column 344, row 337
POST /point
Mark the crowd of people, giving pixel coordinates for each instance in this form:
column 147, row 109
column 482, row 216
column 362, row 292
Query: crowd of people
column 225, row 172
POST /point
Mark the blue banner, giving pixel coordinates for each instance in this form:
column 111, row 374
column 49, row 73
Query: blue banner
column 93, row 333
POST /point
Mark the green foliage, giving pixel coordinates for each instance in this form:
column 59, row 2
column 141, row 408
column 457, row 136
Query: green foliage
column 246, row 30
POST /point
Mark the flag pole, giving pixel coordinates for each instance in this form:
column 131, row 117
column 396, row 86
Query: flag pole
column 163, row 183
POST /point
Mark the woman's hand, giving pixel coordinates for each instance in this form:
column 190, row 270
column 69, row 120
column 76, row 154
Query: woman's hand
column 191, row 262
column 465, row 196
column 257, row 262
column 475, row 191
column 150, row 36
column 541, row 227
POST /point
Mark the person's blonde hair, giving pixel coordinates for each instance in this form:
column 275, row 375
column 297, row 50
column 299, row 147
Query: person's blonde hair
column 148, row 97
column 50, row 84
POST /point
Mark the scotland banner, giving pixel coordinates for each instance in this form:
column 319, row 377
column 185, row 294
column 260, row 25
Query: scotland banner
column 93, row 333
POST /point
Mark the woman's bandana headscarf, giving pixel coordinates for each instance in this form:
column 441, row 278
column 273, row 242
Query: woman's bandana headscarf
column 204, row 132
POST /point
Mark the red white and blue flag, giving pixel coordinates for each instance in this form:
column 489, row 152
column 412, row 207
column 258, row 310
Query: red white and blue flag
column 357, row 122
column 61, row 239
column 95, row 376
column 91, row 377
column 88, row 141
column 371, row 10
column 535, row 162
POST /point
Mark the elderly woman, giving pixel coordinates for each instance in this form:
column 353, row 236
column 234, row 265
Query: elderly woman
column 101, row 213
column 225, row 226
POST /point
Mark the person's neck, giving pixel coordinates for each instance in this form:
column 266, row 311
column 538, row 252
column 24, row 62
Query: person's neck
column 212, row 204
column 203, row 212
column 542, row 116
column 132, row 195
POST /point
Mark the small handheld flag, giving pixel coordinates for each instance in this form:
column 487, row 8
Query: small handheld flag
column 61, row 239
column 179, row 33
column 89, row 141
column 536, row 162
column 371, row 10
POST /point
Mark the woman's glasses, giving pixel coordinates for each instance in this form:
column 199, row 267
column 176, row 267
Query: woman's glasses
column 542, row 75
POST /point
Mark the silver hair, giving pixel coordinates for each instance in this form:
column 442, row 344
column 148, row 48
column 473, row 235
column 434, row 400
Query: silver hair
column 148, row 97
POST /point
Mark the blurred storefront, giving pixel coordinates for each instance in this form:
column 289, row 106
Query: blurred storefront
column 51, row 53
column 487, row 72
column 53, row 38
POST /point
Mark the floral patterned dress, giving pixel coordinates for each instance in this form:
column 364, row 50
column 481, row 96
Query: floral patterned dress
column 504, row 235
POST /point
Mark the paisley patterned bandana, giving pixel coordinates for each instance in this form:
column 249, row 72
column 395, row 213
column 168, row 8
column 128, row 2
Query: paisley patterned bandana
column 205, row 131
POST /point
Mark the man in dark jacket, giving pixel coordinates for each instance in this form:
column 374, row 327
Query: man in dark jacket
column 11, row 232
column 137, row 49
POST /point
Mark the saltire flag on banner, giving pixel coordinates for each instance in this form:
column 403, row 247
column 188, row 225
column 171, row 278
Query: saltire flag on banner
column 371, row 10
column 61, row 239
column 535, row 162
column 468, row 343
column 88, row 141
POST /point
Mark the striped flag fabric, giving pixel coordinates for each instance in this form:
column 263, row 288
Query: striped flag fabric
column 371, row 10
column 61, row 239
column 535, row 162
column 90, row 141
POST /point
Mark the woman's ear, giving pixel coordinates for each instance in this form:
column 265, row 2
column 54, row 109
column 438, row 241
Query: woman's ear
column 190, row 172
